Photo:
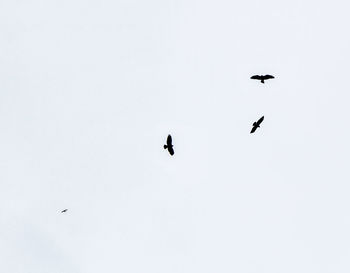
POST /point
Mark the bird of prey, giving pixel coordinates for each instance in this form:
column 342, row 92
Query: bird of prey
column 169, row 145
column 256, row 124
column 64, row 210
column 262, row 78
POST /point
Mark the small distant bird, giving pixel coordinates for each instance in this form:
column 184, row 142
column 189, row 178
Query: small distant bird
column 64, row 210
column 262, row 78
column 169, row 145
column 256, row 124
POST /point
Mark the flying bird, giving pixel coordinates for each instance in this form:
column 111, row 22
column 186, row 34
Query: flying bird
column 256, row 124
column 64, row 210
column 169, row 145
column 262, row 78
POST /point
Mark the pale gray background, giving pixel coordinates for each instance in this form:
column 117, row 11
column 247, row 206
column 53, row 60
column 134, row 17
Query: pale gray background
column 89, row 91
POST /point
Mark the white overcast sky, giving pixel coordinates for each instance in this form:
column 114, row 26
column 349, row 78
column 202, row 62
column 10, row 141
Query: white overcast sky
column 89, row 91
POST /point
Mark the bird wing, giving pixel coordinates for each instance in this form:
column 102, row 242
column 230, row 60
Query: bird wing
column 253, row 129
column 256, row 77
column 169, row 140
column 266, row 77
column 171, row 150
column 260, row 120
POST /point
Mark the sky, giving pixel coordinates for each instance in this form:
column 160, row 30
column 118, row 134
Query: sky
column 89, row 91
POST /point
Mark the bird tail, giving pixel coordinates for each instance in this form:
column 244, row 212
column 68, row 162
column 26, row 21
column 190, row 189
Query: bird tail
column 165, row 147
column 262, row 80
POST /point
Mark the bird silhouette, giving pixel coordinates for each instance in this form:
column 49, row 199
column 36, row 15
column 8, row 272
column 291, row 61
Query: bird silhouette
column 64, row 210
column 262, row 78
column 256, row 124
column 169, row 145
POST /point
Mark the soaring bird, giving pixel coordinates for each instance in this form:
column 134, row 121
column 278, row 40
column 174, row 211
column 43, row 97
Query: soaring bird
column 64, row 210
column 262, row 78
column 169, row 145
column 256, row 124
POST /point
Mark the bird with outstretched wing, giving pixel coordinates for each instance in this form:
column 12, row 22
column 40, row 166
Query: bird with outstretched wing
column 65, row 210
column 256, row 124
column 262, row 78
column 169, row 145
